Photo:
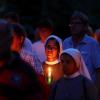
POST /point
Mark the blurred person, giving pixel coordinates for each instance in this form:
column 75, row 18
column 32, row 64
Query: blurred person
column 19, row 35
column 76, row 82
column 13, row 17
column 43, row 29
column 16, row 46
column 18, row 81
column 85, row 44
column 53, row 48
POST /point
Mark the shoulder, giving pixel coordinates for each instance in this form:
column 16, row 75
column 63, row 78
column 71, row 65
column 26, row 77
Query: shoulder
column 28, row 41
column 45, row 66
column 89, row 83
column 26, row 53
column 67, row 39
column 36, row 43
column 67, row 43
column 90, row 40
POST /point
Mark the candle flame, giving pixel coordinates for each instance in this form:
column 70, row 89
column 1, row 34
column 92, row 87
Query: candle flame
column 49, row 72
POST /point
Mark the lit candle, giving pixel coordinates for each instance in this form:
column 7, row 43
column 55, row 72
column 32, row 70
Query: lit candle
column 49, row 72
column 49, row 77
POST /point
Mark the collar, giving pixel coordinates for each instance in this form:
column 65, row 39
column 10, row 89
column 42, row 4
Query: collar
column 83, row 41
column 72, row 76
column 52, row 63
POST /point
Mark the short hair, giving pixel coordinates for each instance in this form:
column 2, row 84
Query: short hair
column 81, row 16
column 47, row 23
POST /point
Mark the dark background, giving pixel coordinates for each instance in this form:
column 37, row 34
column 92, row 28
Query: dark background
column 30, row 11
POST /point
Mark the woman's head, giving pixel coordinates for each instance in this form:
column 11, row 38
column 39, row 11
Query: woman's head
column 53, row 47
column 72, row 62
column 68, row 63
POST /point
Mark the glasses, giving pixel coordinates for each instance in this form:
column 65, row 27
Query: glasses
column 51, row 48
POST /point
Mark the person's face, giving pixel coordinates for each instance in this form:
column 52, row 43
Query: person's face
column 76, row 26
column 68, row 64
column 16, row 43
column 51, row 50
column 43, row 32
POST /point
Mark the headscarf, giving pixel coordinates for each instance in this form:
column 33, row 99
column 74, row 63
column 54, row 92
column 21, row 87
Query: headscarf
column 59, row 40
column 76, row 55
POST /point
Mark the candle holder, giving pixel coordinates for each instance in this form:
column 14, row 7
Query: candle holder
column 49, row 80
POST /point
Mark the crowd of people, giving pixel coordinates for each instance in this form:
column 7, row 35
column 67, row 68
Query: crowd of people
column 49, row 68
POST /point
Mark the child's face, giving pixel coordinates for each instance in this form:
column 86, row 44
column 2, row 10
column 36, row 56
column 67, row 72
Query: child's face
column 68, row 64
column 52, row 52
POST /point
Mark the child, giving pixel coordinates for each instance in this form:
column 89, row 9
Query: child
column 76, row 83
